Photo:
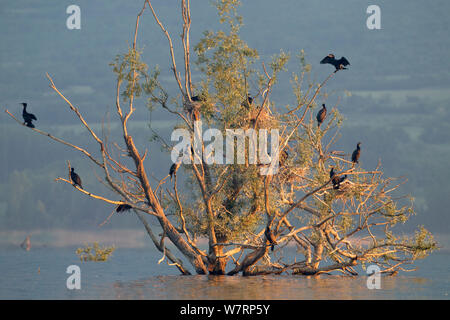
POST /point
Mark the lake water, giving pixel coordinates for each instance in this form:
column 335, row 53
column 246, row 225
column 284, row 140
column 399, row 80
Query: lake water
column 135, row 274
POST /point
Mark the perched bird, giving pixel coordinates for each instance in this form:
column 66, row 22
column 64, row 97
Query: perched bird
column 29, row 124
column 197, row 98
column 190, row 105
column 248, row 102
column 356, row 153
column 270, row 238
column 332, row 173
column 283, row 157
column 75, row 178
column 194, row 109
column 173, row 169
column 338, row 64
column 321, row 115
column 27, row 117
column 123, row 207
column 249, row 99
column 336, row 180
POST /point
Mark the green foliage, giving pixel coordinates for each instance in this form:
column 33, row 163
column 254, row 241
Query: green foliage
column 129, row 68
column 425, row 117
column 423, row 243
column 239, row 206
column 95, row 252
column 226, row 60
column 153, row 88
column 227, row 66
column 278, row 63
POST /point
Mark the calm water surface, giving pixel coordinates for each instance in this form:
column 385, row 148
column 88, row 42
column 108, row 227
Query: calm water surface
column 135, row 274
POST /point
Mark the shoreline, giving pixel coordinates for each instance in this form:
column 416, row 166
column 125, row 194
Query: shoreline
column 58, row 238
column 120, row 238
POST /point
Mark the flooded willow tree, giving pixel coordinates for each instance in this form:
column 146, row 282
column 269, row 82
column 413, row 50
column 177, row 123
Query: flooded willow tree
column 306, row 194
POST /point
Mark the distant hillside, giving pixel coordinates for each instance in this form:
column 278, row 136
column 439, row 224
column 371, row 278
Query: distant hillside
column 395, row 96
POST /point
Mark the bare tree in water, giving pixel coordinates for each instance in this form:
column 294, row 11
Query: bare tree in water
column 336, row 221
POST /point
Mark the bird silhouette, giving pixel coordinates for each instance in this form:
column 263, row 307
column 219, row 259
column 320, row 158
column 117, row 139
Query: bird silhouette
column 270, row 238
column 123, row 207
column 197, row 98
column 194, row 108
column 173, row 169
column 193, row 103
column 321, row 115
column 27, row 117
column 75, row 178
column 338, row 64
column 356, row 153
column 248, row 102
column 336, row 180
column 283, row 157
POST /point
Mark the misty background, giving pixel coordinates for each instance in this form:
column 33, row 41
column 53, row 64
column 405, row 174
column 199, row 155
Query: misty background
column 395, row 97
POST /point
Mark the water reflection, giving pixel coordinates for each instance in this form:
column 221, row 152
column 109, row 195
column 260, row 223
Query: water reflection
column 120, row 279
column 265, row 287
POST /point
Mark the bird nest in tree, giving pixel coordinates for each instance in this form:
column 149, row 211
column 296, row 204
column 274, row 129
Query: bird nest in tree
column 344, row 188
column 348, row 187
column 265, row 119
column 293, row 174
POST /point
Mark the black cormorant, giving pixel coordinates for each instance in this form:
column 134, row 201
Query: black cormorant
column 173, row 169
column 338, row 64
column 75, row 178
column 270, row 238
column 123, row 207
column 195, row 110
column 248, row 102
column 283, row 157
column 356, row 153
column 336, row 180
column 27, row 117
column 332, row 172
column 321, row 115
column 29, row 124
column 189, row 106
column 249, row 99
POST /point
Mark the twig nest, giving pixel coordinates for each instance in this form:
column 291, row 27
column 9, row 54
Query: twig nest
column 265, row 120
column 293, row 174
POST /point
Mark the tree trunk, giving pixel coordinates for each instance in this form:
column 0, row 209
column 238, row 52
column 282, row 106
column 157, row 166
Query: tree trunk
column 217, row 266
column 194, row 258
column 169, row 229
column 249, row 261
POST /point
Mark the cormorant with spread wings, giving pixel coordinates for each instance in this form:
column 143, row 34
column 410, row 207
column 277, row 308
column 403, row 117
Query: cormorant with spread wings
column 338, row 64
